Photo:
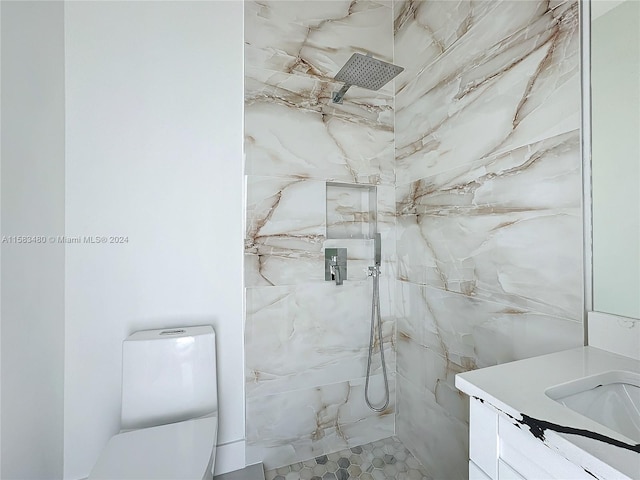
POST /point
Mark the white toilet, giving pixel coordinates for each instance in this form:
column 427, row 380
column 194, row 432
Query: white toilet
column 169, row 419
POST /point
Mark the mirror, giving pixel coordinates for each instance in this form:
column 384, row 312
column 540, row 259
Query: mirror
column 615, row 120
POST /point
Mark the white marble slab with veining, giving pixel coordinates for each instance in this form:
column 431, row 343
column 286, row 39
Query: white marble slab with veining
column 517, row 390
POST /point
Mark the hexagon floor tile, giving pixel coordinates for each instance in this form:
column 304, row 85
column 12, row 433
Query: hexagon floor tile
column 382, row 460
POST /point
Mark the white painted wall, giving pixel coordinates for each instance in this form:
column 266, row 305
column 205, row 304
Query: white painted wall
column 614, row 333
column 32, row 200
column 0, row 247
column 154, row 153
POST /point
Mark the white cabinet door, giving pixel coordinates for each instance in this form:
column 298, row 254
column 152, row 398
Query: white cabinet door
column 498, row 450
column 505, row 472
column 483, row 439
column 533, row 459
column 475, row 473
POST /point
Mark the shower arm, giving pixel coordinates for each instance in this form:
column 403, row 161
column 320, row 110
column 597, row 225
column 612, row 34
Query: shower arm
column 339, row 95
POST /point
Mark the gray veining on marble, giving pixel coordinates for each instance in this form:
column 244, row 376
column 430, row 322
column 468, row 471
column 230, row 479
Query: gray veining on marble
column 436, row 437
column 315, row 38
column 306, row 339
column 292, row 51
column 489, row 226
column 527, row 259
column 507, row 81
column 480, row 334
column 286, row 428
column 286, row 232
column 317, row 140
column 474, row 150
column 309, row 335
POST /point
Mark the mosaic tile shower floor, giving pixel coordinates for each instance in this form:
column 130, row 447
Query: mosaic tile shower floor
column 382, row 460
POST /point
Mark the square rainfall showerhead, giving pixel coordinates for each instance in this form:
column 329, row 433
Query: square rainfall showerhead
column 366, row 72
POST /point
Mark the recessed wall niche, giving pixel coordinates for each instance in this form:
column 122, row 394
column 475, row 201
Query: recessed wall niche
column 351, row 211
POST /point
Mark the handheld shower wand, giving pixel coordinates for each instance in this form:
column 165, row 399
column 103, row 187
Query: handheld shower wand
column 374, row 271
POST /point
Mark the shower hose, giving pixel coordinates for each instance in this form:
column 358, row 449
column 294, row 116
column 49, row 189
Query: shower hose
column 375, row 316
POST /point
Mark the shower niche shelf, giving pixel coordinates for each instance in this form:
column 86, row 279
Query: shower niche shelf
column 351, row 211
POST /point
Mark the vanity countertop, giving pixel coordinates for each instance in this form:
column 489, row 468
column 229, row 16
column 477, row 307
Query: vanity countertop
column 517, row 390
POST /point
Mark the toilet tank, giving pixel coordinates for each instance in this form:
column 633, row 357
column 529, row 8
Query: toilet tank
column 168, row 376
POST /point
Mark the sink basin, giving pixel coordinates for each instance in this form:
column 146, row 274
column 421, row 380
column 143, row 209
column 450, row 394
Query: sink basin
column 610, row 398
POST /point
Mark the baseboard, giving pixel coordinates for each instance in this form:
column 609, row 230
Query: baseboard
column 229, row 457
column 252, row 472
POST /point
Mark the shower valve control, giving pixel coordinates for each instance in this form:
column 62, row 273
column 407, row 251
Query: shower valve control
column 335, row 265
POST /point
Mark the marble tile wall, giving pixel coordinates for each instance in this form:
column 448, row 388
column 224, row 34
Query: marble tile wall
column 489, row 228
column 306, row 339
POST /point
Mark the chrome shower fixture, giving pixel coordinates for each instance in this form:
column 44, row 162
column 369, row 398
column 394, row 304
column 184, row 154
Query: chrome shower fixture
column 366, row 72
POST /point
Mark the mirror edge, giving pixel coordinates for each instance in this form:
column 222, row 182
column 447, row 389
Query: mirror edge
column 585, row 145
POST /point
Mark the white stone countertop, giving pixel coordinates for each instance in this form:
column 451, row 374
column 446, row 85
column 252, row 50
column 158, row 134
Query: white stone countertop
column 517, row 390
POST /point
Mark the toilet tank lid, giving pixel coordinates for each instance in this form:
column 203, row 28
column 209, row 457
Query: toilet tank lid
column 164, row 333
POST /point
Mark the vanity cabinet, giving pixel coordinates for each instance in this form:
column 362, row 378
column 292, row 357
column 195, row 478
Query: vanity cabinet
column 509, row 399
column 500, row 449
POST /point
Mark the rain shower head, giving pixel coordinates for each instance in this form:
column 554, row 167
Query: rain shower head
column 366, row 72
